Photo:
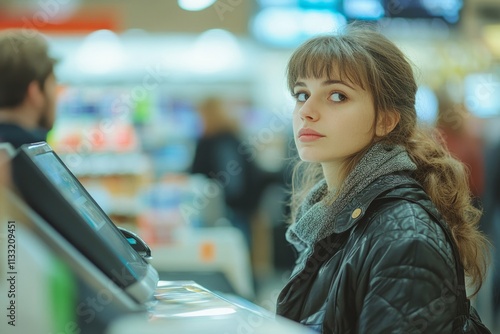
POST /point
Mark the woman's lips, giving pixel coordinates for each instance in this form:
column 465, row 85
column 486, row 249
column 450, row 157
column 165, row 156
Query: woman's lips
column 308, row 135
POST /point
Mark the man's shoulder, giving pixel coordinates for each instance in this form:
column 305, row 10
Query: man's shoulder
column 16, row 135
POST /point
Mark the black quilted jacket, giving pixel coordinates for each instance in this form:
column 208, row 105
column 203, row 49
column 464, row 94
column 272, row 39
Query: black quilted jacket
column 392, row 271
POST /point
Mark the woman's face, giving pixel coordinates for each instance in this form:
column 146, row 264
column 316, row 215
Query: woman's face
column 332, row 119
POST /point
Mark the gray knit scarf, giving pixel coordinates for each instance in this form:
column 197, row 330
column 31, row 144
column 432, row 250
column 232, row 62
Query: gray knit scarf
column 316, row 215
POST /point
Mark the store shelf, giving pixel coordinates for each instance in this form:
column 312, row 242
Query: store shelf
column 106, row 164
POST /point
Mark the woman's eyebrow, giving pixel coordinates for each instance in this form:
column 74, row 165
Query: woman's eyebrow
column 300, row 84
column 332, row 82
column 325, row 83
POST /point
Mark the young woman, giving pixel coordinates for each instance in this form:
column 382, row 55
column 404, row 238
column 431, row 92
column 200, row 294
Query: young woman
column 372, row 257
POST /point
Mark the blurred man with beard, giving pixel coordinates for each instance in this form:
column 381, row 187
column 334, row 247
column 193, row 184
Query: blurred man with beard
column 27, row 87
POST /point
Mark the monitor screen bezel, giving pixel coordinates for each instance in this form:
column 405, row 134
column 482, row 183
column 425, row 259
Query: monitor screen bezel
column 48, row 201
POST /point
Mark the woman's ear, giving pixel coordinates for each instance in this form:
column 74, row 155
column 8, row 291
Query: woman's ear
column 386, row 122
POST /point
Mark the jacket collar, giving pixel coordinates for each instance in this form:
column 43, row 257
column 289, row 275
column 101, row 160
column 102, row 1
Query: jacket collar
column 358, row 207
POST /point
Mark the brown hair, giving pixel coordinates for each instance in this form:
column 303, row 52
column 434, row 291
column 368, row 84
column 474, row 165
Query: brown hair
column 23, row 58
column 368, row 59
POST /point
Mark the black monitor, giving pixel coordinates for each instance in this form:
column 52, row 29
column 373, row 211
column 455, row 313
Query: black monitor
column 50, row 188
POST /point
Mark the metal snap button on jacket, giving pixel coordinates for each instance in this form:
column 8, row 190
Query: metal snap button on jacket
column 355, row 214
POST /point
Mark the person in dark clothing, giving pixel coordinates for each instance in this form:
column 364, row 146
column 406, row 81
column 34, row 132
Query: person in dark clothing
column 217, row 156
column 27, row 87
column 491, row 220
column 373, row 197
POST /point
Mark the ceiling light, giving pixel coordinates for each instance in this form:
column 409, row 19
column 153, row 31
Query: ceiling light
column 195, row 5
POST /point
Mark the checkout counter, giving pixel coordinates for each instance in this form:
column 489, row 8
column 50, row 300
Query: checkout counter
column 68, row 269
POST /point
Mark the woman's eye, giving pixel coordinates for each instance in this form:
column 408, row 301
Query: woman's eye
column 301, row 97
column 337, row 97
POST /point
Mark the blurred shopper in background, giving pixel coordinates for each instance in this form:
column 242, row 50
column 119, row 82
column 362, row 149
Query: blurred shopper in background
column 461, row 133
column 217, row 157
column 378, row 203
column 27, row 87
column 491, row 222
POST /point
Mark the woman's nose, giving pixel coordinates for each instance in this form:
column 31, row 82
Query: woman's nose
column 309, row 110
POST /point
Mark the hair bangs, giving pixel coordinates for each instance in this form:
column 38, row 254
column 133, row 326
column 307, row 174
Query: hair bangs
column 327, row 57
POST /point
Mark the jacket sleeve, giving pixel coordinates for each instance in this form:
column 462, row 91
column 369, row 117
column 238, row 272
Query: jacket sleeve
column 410, row 288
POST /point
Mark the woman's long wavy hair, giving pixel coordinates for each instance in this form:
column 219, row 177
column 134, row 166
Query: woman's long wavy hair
column 368, row 59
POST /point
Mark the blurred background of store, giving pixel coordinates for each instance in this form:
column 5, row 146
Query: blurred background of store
column 132, row 75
